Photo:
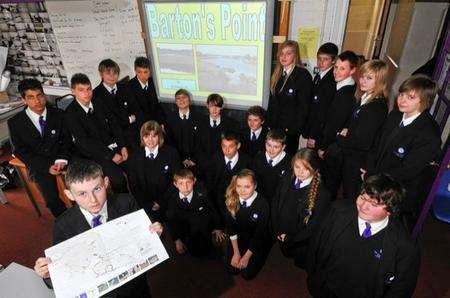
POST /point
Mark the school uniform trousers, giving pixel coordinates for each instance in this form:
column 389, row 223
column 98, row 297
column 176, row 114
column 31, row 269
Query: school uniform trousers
column 288, row 212
column 39, row 152
column 251, row 225
column 269, row 176
column 149, row 178
column 363, row 127
column 72, row 223
column 92, row 133
column 219, row 179
column 289, row 105
column 339, row 113
column 404, row 153
column 192, row 222
column 323, row 93
column 252, row 147
column 182, row 135
column 146, row 100
column 391, row 266
column 122, row 106
column 208, row 142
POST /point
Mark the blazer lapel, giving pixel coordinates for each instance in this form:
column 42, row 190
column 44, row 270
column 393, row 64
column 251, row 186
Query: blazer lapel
column 82, row 225
column 29, row 126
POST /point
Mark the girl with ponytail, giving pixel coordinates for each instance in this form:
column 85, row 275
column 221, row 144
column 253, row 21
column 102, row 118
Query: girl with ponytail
column 300, row 202
column 247, row 225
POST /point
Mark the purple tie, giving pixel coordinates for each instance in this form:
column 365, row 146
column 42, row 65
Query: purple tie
column 229, row 166
column 367, row 233
column 42, row 124
column 185, row 201
column 271, row 162
column 96, row 221
column 253, row 137
column 297, row 184
column 244, row 204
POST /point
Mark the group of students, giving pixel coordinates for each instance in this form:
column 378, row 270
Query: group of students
column 208, row 179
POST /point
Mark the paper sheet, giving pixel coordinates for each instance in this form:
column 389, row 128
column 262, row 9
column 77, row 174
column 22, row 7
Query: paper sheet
column 3, row 56
column 308, row 40
column 99, row 260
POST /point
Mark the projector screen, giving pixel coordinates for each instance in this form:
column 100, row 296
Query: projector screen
column 211, row 47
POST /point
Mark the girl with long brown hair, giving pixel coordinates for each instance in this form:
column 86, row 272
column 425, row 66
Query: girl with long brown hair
column 247, row 225
column 299, row 204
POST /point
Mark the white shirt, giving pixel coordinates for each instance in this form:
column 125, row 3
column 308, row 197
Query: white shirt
column 181, row 114
column 306, row 182
column 346, row 82
column 110, row 88
column 233, row 160
column 276, row 159
column 323, row 73
column 103, row 214
column 256, row 132
column 35, row 120
column 143, row 85
column 409, row 120
column 148, row 151
column 375, row 227
column 86, row 109
column 288, row 70
column 248, row 203
column 189, row 196
column 212, row 123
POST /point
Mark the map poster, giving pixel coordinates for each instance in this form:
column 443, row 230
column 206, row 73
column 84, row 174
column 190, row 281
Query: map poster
column 102, row 259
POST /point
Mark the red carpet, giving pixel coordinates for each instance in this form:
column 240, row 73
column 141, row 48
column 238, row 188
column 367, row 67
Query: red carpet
column 24, row 236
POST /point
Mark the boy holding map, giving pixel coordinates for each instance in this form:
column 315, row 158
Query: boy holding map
column 87, row 186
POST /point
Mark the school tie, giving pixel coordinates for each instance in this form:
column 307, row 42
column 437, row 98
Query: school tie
column 145, row 88
column 184, row 117
column 90, row 111
column 214, row 123
column 316, row 79
column 297, row 184
column 229, row 166
column 401, row 125
column 151, row 156
column 96, row 221
column 42, row 124
column 367, row 232
column 113, row 91
column 244, row 204
column 271, row 162
column 283, row 74
column 253, row 137
column 185, row 201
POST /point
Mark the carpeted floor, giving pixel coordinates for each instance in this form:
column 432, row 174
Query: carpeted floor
column 24, row 236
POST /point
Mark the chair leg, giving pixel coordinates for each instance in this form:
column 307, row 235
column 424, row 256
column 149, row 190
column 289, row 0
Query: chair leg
column 27, row 189
column 3, row 198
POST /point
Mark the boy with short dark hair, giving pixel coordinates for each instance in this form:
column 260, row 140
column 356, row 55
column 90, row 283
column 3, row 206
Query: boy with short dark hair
column 324, row 89
column 190, row 215
column 271, row 164
column 96, row 133
column 142, row 89
column 87, row 186
column 115, row 97
column 364, row 251
column 41, row 140
column 253, row 136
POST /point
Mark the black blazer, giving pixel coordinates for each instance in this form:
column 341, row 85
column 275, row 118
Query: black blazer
column 200, row 206
column 322, row 96
column 184, row 143
column 72, row 222
column 288, row 108
column 93, row 133
column 251, row 224
column 304, row 231
column 405, row 152
column 269, row 177
column 363, row 127
column 121, row 105
column 339, row 113
column 399, row 268
column 37, row 152
column 253, row 147
column 149, row 180
column 146, row 101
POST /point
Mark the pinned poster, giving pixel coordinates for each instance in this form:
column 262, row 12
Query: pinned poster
column 308, row 40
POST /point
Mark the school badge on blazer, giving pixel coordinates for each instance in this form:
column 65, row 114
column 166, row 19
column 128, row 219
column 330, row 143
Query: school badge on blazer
column 316, row 99
column 389, row 278
column 291, row 92
column 166, row 168
column 255, row 217
column 400, row 152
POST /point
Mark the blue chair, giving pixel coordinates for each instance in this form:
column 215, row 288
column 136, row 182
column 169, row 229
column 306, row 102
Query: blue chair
column 64, row 101
column 441, row 202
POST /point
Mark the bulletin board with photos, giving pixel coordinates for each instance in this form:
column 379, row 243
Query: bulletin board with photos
column 26, row 30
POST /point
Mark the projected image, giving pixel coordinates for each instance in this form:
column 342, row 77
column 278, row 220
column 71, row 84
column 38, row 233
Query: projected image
column 230, row 69
column 175, row 58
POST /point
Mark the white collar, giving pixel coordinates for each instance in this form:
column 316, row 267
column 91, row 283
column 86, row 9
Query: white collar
column 233, row 160
column 103, row 213
column 365, row 98
column 86, row 109
column 111, row 88
column 409, row 120
column 277, row 158
column 212, row 123
column 148, row 151
column 257, row 132
column 345, row 82
column 250, row 200
column 375, row 227
column 181, row 114
column 323, row 73
column 35, row 118
column 305, row 183
column 289, row 70
column 189, row 196
column 142, row 84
